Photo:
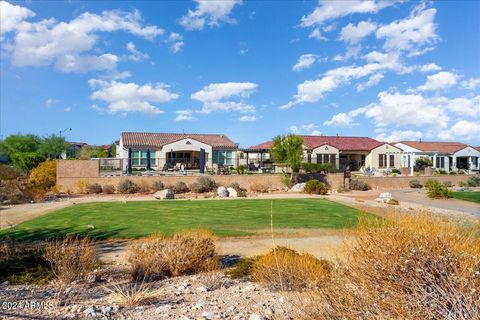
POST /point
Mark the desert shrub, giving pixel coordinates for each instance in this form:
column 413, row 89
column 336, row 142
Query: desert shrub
column 180, row 187
column 241, row 169
column 241, row 192
column 108, row 189
column 461, row 171
column 71, row 258
column 130, row 294
column 453, row 173
column 436, row 190
column 315, row 187
column 473, row 181
column 285, row 269
column 158, row 185
column 258, row 187
column 393, row 202
column 94, row 188
column 415, row 184
column 144, row 187
column 23, row 263
column 243, row 268
column 203, row 184
column 412, row 266
column 81, row 186
column 42, row 179
column 442, row 171
column 182, row 254
column 448, row 184
column 11, row 185
column 127, row 186
column 462, row 184
column 356, row 184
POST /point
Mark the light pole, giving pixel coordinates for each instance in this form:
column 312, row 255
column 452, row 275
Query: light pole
column 64, row 130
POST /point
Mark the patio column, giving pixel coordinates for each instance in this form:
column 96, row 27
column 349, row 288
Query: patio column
column 447, row 164
column 454, row 164
column 435, row 160
column 470, row 163
column 387, row 155
column 412, row 163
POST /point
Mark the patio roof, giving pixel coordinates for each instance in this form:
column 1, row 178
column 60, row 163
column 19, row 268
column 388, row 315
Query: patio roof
column 150, row 139
column 436, row 146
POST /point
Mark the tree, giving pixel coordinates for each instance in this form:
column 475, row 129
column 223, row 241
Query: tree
column 289, row 150
column 23, row 150
column 53, row 146
column 423, row 162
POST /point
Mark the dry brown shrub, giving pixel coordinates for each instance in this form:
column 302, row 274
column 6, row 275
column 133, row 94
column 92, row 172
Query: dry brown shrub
column 144, row 187
column 71, row 258
column 410, row 266
column 285, row 269
column 129, row 294
column 184, row 253
column 258, row 187
column 213, row 278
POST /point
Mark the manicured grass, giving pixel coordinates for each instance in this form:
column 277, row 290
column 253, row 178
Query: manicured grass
column 225, row 218
column 467, row 196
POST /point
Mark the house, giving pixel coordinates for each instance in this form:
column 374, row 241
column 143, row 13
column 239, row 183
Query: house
column 341, row 151
column 448, row 156
column 170, row 149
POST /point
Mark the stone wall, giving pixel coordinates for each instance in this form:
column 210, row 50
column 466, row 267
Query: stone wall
column 70, row 172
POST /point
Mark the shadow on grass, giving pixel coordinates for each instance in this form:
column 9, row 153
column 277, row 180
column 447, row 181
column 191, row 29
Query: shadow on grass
column 55, row 233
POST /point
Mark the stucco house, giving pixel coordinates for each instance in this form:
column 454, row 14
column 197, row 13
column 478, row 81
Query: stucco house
column 341, row 151
column 176, row 149
column 448, row 156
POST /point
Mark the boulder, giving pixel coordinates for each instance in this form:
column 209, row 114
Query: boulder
column 232, row 193
column 164, row 194
column 385, row 195
column 222, row 192
column 299, row 187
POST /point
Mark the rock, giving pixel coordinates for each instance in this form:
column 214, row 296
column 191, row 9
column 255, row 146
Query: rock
column 385, row 195
column 90, row 312
column 90, row 227
column 299, row 187
column 269, row 311
column 202, row 289
column 393, row 202
column 255, row 317
column 164, row 194
column 208, row 315
column 163, row 308
column 6, row 202
column 232, row 193
column 222, row 192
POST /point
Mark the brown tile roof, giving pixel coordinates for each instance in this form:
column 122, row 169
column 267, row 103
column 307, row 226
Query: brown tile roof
column 148, row 139
column 436, row 146
column 339, row 142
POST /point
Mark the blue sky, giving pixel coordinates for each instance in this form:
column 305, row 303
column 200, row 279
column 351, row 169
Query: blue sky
column 393, row 70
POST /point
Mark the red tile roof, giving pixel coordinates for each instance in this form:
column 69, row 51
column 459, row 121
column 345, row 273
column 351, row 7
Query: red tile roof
column 436, row 146
column 341, row 143
column 148, row 139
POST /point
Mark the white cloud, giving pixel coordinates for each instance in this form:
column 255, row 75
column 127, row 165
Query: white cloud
column 354, row 34
column 70, row 46
column 340, row 120
column 372, row 81
column 135, row 54
column 248, row 118
column 329, row 10
column 462, row 130
column 11, row 16
column 227, row 96
column 123, row 98
column 310, row 129
column 305, row 61
column 50, row 102
column 210, row 13
column 316, row 34
column 399, row 135
column 176, row 42
column 411, row 34
column 430, row 67
column 471, row 83
column 439, row 81
column 184, row 115
column 466, row 107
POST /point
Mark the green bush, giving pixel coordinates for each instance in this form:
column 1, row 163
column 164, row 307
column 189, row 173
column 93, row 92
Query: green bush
column 473, row 181
column 424, row 161
column 452, row 172
column 127, row 186
column 180, row 187
column 241, row 169
column 108, row 189
column 448, row 184
column 203, row 184
column 461, row 171
column 158, row 185
column 356, row 184
column 436, row 190
column 94, row 188
column 462, row 184
column 441, row 171
column 415, row 184
column 315, row 187
column 243, row 268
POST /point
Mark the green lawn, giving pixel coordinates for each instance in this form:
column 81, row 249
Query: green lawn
column 225, row 218
column 467, row 196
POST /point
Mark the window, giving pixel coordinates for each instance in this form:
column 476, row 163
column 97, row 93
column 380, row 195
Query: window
column 382, row 160
column 440, row 162
column 392, row 161
column 139, row 157
column 326, row 158
column 222, row 157
column 362, row 160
